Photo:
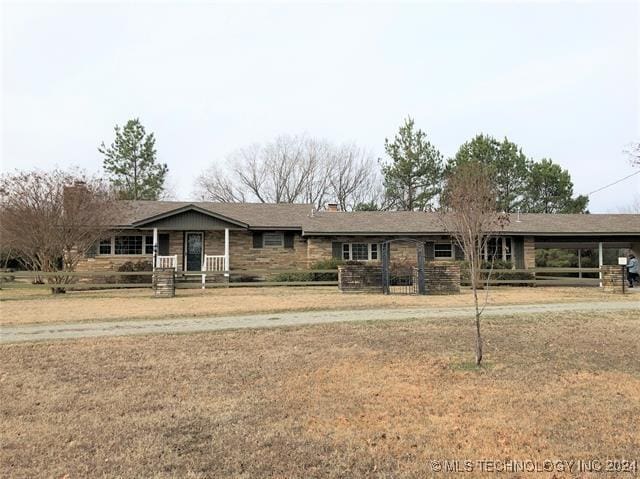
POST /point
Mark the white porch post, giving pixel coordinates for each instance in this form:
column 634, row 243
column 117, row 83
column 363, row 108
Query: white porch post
column 226, row 252
column 203, row 267
column 155, row 248
column 600, row 261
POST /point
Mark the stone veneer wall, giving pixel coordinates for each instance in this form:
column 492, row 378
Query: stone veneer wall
column 319, row 247
column 613, row 279
column 529, row 252
column 164, row 283
column 242, row 254
column 358, row 278
column 440, row 278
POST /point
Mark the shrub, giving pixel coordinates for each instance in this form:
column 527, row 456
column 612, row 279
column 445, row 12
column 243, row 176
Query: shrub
column 130, row 267
column 243, row 278
column 332, row 263
column 291, row 277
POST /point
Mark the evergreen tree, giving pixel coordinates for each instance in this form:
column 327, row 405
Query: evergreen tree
column 549, row 189
column 130, row 163
column 506, row 163
column 413, row 178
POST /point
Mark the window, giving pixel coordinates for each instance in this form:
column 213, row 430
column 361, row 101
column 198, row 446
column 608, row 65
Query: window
column 443, row 250
column 360, row 251
column 273, row 239
column 498, row 249
column 148, row 245
column 507, row 249
column 105, row 246
column 494, row 249
column 128, row 245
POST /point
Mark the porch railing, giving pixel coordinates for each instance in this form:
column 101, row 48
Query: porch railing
column 214, row 263
column 167, row 261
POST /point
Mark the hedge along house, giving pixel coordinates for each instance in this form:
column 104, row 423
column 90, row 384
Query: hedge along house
column 203, row 236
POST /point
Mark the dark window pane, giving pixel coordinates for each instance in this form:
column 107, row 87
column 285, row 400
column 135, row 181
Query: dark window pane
column 148, row 244
column 443, row 250
column 105, row 246
column 128, row 245
column 359, row 251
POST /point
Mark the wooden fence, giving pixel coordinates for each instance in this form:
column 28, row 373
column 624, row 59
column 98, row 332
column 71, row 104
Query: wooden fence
column 89, row 280
column 257, row 278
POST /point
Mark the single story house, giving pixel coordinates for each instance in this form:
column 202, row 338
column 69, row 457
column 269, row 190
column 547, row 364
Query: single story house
column 190, row 236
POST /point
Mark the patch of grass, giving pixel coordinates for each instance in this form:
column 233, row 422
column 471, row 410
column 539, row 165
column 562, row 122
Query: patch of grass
column 23, row 307
column 471, row 366
column 342, row 400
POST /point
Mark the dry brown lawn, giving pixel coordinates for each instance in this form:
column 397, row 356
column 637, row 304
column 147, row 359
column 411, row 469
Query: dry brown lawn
column 22, row 307
column 346, row 400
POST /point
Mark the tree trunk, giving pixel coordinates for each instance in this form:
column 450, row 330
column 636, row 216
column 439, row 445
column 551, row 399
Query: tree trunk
column 478, row 340
column 474, row 286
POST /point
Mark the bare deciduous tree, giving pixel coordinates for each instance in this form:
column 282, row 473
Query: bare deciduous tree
column 469, row 214
column 215, row 185
column 352, row 177
column 634, row 153
column 294, row 169
column 50, row 219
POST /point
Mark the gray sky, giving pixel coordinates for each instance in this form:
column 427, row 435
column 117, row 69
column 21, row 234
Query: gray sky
column 559, row 79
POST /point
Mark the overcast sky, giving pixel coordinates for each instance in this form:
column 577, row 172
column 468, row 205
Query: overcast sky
column 559, row 79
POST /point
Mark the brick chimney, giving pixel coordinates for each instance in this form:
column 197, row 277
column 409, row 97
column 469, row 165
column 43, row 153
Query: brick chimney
column 72, row 195
column 332, row 207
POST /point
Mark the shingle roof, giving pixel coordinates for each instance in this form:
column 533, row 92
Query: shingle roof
column 283, row 215
column 407, row 222
column 258, row 215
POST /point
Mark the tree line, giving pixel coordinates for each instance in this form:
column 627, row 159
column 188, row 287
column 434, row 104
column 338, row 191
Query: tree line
column 409, row 178
column 303, row 169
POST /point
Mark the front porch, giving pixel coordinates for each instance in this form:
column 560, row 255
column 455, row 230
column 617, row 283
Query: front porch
column 192, row 252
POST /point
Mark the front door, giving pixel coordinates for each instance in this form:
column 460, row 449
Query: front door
column 193, row 252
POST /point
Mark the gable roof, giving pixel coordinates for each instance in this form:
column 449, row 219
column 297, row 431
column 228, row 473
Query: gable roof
column 184, row 209
column 250, row 215
column 300, row 217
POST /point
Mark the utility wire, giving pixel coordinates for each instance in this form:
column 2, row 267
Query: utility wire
column 614, row 183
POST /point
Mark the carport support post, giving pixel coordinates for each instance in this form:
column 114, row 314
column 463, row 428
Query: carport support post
column 226, row 252
column 600, row 261
column 580, row 263
column 155, row 248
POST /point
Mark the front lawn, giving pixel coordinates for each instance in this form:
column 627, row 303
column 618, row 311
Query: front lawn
column 343, row 400
column 22, row 307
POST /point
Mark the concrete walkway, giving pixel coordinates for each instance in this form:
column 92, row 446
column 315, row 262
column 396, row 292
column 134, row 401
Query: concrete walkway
column 93, row 329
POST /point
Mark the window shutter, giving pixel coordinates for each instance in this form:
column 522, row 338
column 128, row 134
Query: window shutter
column 163, row 244
column 288, row 239
column 91, row 250
column 457, row 252
column 429, row 253
column 517, row 255
column 257, row 239
column 336, row 250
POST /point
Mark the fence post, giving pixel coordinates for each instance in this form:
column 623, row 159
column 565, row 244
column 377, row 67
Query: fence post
column 421, row 280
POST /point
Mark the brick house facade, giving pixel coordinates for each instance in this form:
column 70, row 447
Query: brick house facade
column 271, row 237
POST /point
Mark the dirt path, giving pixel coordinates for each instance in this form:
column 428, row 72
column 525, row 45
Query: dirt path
column 43, row 332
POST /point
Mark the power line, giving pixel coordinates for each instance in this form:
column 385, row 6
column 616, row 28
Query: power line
column 614, row 183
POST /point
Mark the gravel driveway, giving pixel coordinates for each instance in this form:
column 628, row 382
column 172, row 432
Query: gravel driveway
column 15, row 334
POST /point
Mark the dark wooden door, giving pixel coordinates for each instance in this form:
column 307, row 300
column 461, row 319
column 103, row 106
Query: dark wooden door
column 193, row 251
